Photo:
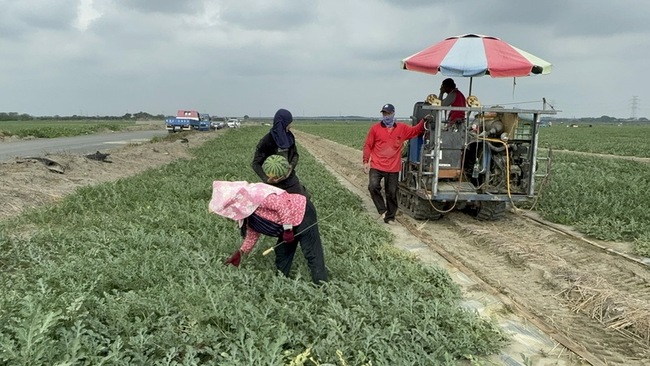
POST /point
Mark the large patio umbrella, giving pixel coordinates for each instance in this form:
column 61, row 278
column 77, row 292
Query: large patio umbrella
column 471, row 55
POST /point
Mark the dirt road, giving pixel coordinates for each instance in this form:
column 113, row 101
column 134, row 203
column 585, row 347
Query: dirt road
column 600, row 301
column 27, row 183
column 76, row 144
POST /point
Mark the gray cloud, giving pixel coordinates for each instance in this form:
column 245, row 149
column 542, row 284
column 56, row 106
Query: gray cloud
column 172, row 7
column 326, row 56
column 20, row 19
column 278, row 15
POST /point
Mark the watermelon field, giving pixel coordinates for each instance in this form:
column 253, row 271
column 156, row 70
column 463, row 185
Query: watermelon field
column 62, row 128
column 625, row 140
column 130, row 273
column 602, row 197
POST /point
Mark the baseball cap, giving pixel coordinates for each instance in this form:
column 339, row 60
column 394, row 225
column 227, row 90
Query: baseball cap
column 388, row 108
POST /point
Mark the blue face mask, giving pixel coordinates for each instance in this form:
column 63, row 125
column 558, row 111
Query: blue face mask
column 388, row 120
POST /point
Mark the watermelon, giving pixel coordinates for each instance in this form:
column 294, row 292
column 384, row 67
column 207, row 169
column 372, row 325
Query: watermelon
column 276, row 166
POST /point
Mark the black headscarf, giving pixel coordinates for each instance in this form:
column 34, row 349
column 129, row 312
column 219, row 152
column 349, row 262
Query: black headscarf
column 283, row 138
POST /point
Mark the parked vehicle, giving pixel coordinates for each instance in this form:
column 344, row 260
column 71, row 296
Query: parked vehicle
column 182, row 121
column 233, row 123
column 187, row 120
column 217, row 125
column 203, row 124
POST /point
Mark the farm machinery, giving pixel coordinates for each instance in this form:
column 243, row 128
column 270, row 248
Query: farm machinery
column 488, row 159
column 478, row 165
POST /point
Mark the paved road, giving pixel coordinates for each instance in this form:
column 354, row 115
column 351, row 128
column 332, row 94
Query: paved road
column 76, row 145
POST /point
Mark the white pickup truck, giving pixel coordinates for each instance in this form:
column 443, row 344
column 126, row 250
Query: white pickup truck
column 233, row 123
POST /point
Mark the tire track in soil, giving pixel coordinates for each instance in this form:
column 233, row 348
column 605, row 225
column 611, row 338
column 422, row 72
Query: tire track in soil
column 541, row 277
column 585, row 259
column 551, row 274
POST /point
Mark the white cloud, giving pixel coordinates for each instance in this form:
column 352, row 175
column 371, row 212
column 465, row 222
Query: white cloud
column 86, row 14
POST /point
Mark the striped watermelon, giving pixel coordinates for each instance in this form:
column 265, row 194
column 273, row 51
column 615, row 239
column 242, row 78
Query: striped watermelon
column 276, row 166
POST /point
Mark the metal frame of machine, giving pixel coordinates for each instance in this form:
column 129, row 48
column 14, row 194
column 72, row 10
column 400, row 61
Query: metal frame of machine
column 480, row 164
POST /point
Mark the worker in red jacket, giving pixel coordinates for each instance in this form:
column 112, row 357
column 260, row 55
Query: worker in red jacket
column 382, row 159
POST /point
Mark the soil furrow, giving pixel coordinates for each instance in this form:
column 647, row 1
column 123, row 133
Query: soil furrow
column 598, row 299
column 550, row 247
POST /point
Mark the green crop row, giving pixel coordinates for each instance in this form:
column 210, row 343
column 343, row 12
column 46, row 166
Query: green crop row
column 602, row 197
column 131, row 272
column 605, row 198
column 351, row 134
column 51, row 129
column 627, row 140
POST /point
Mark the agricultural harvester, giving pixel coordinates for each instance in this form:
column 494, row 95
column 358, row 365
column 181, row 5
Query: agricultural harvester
column 477, row 165
column 488, row 159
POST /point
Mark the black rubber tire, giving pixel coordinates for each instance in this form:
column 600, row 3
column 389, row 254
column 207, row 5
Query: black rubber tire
column 490, row 210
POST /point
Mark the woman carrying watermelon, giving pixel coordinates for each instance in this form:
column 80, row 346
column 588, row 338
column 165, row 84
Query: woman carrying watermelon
column 263, row 209
column 280, row 141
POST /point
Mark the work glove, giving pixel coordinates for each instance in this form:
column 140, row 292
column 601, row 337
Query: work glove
column 287, row 236
column 234, row 259
column 428, row 121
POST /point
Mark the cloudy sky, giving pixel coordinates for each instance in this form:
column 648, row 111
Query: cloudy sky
column 313, row 57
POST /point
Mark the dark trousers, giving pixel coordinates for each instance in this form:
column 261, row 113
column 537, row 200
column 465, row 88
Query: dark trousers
column 312, row 249
column 390, row 187
column 292, row 185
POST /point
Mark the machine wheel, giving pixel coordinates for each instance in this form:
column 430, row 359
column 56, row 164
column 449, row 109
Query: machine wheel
column 488, row 210
column 415, row 206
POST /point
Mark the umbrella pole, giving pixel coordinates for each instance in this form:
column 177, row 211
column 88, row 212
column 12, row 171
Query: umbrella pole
column 468, row 113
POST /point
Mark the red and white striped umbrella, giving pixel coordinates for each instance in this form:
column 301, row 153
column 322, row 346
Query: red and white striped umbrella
column 471, row 55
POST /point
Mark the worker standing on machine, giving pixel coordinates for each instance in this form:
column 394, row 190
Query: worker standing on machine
column 454, row 98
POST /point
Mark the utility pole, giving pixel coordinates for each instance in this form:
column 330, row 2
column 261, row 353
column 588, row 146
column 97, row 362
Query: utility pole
column 635, row 106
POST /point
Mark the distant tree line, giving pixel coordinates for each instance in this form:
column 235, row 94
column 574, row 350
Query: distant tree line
column 14, row 116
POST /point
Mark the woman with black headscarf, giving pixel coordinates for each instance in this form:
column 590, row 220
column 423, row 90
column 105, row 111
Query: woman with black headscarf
column 280, row 141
